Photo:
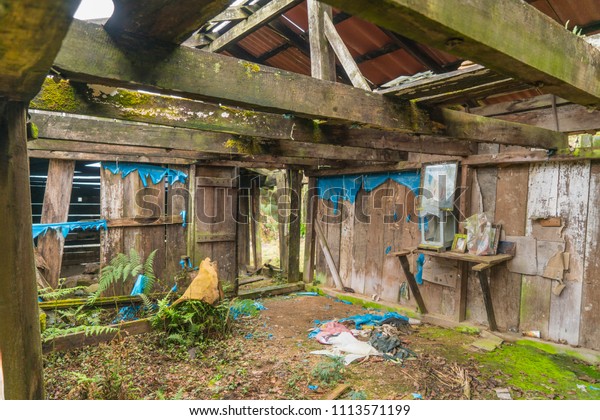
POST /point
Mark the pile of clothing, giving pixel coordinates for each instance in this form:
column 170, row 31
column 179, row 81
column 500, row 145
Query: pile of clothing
column 384, row 334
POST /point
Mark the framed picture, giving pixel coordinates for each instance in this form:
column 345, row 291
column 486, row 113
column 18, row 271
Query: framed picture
column 460, row 243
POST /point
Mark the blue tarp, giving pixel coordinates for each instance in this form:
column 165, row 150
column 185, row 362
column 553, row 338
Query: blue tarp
column 345, row 187
column 66, row 227
column 129, row 313
column 372, row 319
column 155, row 173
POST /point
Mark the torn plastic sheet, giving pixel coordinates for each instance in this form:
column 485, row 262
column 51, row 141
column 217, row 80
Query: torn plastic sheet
column 155, row 173
column 372, row 319
column 64, row 228
column 345, row 187
column 129, row 313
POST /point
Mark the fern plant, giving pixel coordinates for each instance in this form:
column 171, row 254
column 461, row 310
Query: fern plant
column 54, row 332
column 123, row 268
column 55, row 294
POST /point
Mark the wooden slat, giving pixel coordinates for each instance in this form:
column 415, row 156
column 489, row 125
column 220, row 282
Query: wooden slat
column 328, row 257
column 589, row 333
column 76, row 340
column 57, row 197
column 220, row 237
column 295, row 191
column 145, row 221
column 543, row 58
column 205, row 181
column 178, row 200
column 20, row 327
column 259, row 18
column 95, row 157
column 255, row 223
column 31, row 33
column 170, row 21
column 309, row 239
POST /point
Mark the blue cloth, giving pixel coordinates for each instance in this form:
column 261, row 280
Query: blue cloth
column 155, row 173
column 345, row 187
column 64, row 228
column 420, row 264
column 183, row 215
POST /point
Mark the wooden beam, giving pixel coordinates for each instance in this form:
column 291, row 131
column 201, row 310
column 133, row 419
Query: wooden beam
column 128, row 105
column 491, row 33
column 20, row 343
column 228, row 80
column 95, row 157
column 231, row 14
column 255, row 223
column 462, row 125
column 30, row 36
column 342, row 53
column 262, row 16
column 104, row 131
column 55, row 209
column 170, row 21
column 322, row 56
column 239, row 82
column 294, row 178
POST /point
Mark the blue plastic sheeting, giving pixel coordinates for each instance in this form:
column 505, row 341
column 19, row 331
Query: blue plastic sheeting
column 420, row 264
column 372, row 319
column 243, row 308
column 66, row 227
column 307, row 294
column 155, row 173
column 129, row 313
column 183, row 215
column 345, row 187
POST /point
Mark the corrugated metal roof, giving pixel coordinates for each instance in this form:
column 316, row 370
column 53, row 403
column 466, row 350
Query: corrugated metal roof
column 261, row 41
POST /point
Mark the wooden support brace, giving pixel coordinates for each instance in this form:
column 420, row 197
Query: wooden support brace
column 294, row 190
column 412, row 282
column 255, row 222
column 487, row 298
column 56, row 210
column 328, row 257
column 309, row 239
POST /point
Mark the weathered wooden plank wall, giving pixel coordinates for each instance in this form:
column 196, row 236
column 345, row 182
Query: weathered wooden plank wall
column 215, row 221
column 127, row 198
column 514, row 196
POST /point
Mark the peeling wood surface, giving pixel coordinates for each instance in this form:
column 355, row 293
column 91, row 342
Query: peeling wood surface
column 572, row 206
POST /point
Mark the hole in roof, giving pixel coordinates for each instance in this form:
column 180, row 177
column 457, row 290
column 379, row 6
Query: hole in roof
column 94, row 9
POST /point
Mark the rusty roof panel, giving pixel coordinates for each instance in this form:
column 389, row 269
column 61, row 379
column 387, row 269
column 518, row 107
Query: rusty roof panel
column 261, row 41
column 577, row 12
column 361, row 37
column 390, row 66
column 291, row 59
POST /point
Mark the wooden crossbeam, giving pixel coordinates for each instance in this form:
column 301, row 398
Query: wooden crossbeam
column 491, row 33
column 171, row 21
column 262, row 16
column 231, row 14
column 104, row 131
column 31, row 32
column 237, row 82
column 227, row 80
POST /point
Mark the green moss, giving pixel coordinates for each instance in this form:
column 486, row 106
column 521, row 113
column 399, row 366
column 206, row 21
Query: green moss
column 537, row 373
column 548, row 348
column 56, row 96
column 129, row 99
column 250, row 68
column 464, row 329
column 245, row 145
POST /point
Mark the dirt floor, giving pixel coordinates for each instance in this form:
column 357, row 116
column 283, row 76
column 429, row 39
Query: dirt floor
column 267, row 357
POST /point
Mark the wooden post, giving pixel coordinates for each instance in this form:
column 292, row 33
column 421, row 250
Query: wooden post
column 294, row 189
column 56, row 210
column 255, row 223
column 464, row 207
column 282, row 219
column 322, row 56
column 309, row 239
column 243, row 230
column 20, row 342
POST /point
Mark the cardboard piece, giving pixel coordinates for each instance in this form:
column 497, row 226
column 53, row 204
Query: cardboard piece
column 546, row 250
column 548, row 232
column 439, row 271
column 555, row 268
column 525, row 260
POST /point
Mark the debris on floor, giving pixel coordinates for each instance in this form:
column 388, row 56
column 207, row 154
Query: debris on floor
column 487, row 342
column 503, row 394
column 205, row 287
